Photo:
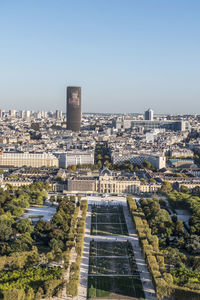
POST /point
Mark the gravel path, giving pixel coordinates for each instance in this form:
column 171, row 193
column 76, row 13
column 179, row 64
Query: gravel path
column 141, row 264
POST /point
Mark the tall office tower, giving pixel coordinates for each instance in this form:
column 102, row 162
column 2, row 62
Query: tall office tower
column 27, row 114
column 58, row 114
column 12, row 113
column 21, row 114
column 148, row 115
column 2, row 112
column 73, row 108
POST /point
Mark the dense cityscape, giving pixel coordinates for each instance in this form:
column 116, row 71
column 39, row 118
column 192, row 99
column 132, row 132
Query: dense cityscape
column 99, row 205
column 99, row 150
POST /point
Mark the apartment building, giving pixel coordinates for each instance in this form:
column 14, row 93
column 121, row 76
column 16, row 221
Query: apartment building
column 20, row 159
column 74, row 157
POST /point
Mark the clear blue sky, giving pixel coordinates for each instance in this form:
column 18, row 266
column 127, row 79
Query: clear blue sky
column 127, row 55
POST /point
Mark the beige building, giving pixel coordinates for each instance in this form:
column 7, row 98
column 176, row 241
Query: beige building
column 106, row 182
column 15, row 159
column 17, row 182
column 149, row 188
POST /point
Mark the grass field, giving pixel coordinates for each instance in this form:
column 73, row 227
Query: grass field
column 109, row 229
column 108, row 221
column 114, row 287
column 108, row 249
column 113, row 272
column 112, row 258
column 107, row 265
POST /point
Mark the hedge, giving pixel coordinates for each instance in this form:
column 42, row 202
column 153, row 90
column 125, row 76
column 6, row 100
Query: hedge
column 162, row 281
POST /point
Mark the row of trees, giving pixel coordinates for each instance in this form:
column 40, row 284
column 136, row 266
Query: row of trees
column 163, row 280
column 73, row 283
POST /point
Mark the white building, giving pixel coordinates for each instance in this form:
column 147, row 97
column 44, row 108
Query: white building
column 36, row 160
column 75, row 158
column 148, row 115
column 157, row 161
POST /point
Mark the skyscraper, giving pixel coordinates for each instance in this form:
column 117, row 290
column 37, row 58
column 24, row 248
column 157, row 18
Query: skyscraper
column 148, row 115
column 58, row 114
column 73, row 108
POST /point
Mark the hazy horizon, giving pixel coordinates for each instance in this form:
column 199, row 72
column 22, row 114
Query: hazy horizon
column 126, row 55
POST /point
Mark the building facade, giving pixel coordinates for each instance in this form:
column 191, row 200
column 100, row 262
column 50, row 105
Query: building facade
column 108, row 183
column 157, row 161
column 148, row 115
column 71, row 158
column 73, row 108
column 20, row 159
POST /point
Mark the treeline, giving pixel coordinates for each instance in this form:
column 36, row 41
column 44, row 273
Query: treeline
column 162, row 280
column 189, row 201
column 74, row 274
column 28, row 253
column 15, row 200
column 29, row 278
column 15, row 233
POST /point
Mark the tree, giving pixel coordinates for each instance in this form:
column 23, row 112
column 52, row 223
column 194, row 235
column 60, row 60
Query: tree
column 17, row 211
column 22, row 243
column 166, row 187
column 143, row 180
column 14, row 294
column 39, row 294
column 179, row 228
column 184, row 189
column 57, row 219
column 193, row 244
column 147, row 164
column 174, row 218
column 30, row 294
column 73, row 168
column 152, row 180
column 55, row 244
column 173, row 256
column 52, row 199
column 99, row 164
column 99, row 157
column 25, row 225
column 5, row 231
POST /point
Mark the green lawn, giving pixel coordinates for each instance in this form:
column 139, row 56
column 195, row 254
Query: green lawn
column 108, row 248
column 102, row 287
column 107, row 265
column 109, row 229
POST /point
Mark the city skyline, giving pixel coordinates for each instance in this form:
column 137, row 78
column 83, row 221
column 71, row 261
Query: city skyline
column 125, row 57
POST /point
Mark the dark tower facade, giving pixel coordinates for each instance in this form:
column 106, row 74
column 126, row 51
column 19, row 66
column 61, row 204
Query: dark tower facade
column 74, row 108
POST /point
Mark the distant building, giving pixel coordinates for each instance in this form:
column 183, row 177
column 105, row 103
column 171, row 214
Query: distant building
column 181, row 162
column 58, row 114
column 2, row 112
column 75, row 158
column 159, row 162
column 12, row 113
column 73, row 108
column 107, row 182
column 148, row 115
column 178, row 125
column 20, row 159
column 168, row 125
column 27, row 114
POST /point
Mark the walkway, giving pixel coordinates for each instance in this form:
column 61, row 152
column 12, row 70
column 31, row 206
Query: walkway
column 133, row 238
column 141, row 264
